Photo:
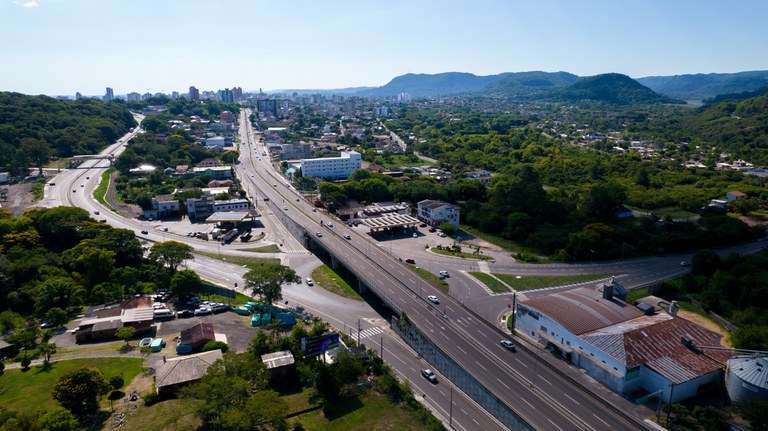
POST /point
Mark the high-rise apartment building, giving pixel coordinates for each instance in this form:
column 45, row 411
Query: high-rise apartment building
column 109, row 95
column 226, row 95
column 194, row 93
column 268, row 107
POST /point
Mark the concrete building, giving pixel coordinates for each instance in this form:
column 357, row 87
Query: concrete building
column 295, row 150
column 215, row 141
column 109, row 95
column 194, row 93
column 199, row 208
column 215, row 172
column 332, row 167
column 622, row 346
column 435, row 213
column 231, row 205
column 267, row 107
column 163, row 206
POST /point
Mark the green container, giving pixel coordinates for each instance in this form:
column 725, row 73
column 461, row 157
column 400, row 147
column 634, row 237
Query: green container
column 256, row 320
column 243, row 311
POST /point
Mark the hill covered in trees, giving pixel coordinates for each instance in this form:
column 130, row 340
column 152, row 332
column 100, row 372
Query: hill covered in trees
column 702, row 86
column 613, row 88
column 37, row 127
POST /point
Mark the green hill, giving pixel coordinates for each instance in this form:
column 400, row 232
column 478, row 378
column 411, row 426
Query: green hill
column 737, row 127
column 613, row 88
column 702, row 86
column 530, row 83
column 69, row 127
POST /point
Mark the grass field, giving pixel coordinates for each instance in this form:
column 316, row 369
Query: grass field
column 169, row 415
column 462, row 254
column 101, row 191
column 493, row 239
column 490, row 282
column 371, row 411
column 325, row 277
column 432, row 278
column 247, row 262
column 30, row 391
column 272, row 248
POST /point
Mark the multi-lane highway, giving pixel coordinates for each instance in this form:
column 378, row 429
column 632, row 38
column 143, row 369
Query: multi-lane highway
column 554, row 403
column 543, row 397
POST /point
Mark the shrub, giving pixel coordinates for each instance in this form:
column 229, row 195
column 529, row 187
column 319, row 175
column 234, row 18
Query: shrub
column 216, row 345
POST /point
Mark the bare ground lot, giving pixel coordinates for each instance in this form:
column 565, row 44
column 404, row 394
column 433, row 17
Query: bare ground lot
column 19, row 198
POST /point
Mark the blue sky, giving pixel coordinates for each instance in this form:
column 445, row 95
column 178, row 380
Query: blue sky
column 58, row 47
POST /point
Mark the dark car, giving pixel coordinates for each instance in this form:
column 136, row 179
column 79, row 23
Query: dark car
column 185, row 313
column 144, row 232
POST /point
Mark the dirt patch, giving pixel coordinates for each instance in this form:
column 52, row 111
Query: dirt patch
column 755, row 220
column 707, row 323
column 18, row 198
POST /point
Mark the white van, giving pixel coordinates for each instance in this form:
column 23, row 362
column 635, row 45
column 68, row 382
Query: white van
column 163, row 314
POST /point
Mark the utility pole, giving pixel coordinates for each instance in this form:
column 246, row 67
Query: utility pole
column 358, row 332
column 450, row 411
column 381, row 348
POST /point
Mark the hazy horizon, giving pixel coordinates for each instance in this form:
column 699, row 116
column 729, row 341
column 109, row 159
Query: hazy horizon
column 60, row 47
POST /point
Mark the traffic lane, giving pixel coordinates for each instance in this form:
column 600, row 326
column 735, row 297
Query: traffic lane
column 447, row 342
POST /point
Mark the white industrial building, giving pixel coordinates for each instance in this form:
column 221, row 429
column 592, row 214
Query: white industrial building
column 332, row 167
column 622, row 346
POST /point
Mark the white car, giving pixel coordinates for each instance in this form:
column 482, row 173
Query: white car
column 441, row 234
column 319, row 234
column 330, row 224
column 433, row 299
column 346, row 236
column 444, row 273
column 310, row 282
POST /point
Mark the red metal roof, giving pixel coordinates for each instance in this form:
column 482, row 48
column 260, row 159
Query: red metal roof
column 583, row 310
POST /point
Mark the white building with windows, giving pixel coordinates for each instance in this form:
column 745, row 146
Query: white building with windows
column 231, row 205
column 435, row 213
column 623, row 346
column 332, row 167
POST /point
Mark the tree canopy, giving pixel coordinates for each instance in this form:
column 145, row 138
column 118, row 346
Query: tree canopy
column 265, row 282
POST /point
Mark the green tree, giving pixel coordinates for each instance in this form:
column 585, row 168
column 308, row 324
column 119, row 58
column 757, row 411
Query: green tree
column 58, row 419
column 48, row 350
column 79, row 390
column 58, row 292
column 449, row 229
column 36, row 150
column 744, row 206
column 265, row 281
column 755, row 412
column 56, row 316
column 185, row 282
column 125, row 333
column 171, row 254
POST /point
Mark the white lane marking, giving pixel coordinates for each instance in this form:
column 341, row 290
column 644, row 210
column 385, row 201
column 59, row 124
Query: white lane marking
column 481, row 366
column 521, row 363
column 462, row 350
column 571, row 398
column 598, row 418
column 529, row 404
column 548, row 382
column 554, row 425
column 505, row 385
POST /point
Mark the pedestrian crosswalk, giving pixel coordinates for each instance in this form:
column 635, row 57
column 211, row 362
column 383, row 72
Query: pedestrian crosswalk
column 370, row 332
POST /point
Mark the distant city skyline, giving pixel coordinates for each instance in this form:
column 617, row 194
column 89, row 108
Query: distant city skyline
column 60, row 47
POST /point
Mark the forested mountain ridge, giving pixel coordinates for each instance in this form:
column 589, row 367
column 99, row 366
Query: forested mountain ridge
column 701, row 86
column 613, row 88
column 738, row 127
column 59, row 127
column 425, row 85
